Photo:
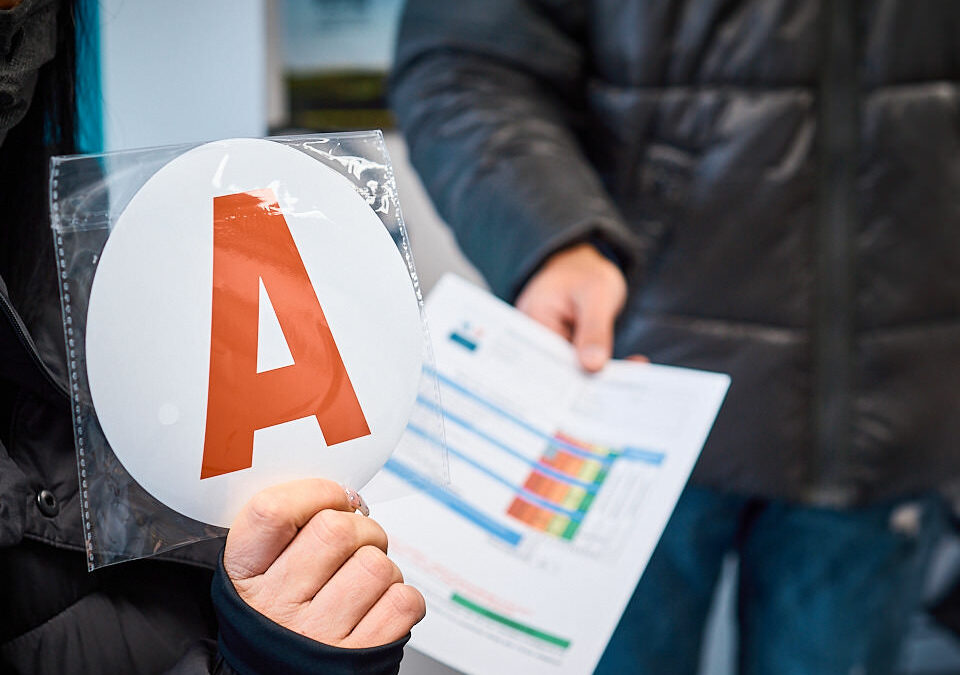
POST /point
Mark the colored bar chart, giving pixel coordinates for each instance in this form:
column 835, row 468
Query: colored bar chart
column 550, row 487
column 589, row 466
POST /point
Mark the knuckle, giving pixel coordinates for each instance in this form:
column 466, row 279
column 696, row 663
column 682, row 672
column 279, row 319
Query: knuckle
column 377, row 565
column 617, row 282
column 267, row 508
column 530, row 305
column 407, row 602
column 335, row 529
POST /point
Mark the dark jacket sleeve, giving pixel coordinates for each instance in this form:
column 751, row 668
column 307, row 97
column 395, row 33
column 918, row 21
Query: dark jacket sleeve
column 251, row 644
column 487, row 93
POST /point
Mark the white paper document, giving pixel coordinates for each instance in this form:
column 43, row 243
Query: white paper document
column 561, row 485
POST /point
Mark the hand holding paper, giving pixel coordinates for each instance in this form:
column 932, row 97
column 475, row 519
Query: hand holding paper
column 578, row 294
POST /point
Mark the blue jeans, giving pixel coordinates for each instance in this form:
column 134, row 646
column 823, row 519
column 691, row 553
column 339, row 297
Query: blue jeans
column 820, row 591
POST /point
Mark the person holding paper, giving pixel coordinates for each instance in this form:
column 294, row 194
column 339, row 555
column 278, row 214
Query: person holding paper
column 303, row 585
column 766, row 189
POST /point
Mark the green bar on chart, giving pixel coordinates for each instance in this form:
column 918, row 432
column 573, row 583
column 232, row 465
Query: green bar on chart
column 510, row 623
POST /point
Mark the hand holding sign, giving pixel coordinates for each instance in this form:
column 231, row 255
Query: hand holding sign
column 299, row 555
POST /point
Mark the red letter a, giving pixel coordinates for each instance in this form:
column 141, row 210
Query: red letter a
column 251, row 242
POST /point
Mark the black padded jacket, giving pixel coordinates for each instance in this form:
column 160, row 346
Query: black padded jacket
column 781, row 178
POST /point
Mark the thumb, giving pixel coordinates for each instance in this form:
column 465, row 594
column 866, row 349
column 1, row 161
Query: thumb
column 594, row 316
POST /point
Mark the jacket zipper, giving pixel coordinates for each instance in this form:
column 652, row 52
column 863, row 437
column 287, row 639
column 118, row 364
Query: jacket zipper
column 839, row 128
column 31, row 348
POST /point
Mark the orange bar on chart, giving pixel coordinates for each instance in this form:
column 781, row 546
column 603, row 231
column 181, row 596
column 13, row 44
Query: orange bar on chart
column 573, row 496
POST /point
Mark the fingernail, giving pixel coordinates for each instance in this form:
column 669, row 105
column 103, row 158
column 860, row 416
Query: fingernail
column 356, row 501
column 593, row 356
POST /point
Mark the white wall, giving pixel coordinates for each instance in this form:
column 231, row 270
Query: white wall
column 175, row 72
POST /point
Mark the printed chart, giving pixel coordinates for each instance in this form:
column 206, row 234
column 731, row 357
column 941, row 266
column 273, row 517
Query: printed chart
column 560, row 486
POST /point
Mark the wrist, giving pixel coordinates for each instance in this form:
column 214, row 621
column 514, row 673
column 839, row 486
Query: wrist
column 609, row 251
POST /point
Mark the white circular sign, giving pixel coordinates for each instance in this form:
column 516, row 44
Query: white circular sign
column 251, row 321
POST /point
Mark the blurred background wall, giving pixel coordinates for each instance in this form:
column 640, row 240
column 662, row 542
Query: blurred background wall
column 180, row 72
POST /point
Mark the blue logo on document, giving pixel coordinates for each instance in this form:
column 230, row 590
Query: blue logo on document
column 467, row 336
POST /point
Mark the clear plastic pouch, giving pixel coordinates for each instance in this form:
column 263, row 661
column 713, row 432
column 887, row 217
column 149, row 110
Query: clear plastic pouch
column 135, row 348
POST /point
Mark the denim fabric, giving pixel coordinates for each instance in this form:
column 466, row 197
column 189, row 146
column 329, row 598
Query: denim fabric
column 820, row 591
